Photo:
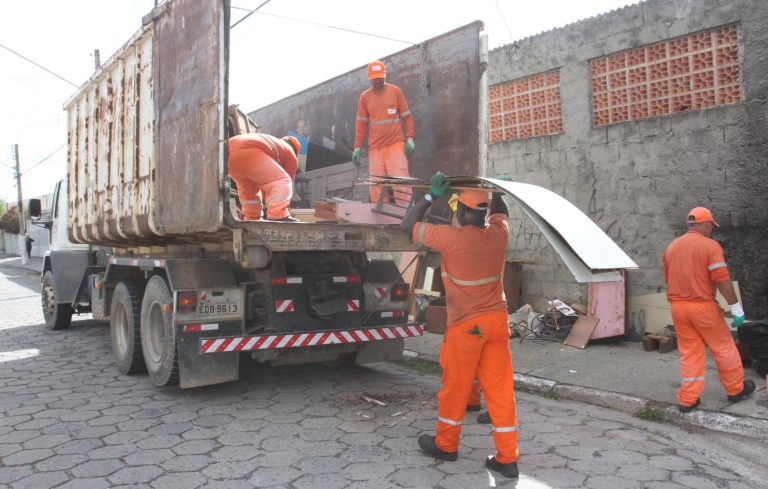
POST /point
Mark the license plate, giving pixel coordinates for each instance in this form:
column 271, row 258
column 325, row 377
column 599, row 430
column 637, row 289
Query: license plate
column 211, row 309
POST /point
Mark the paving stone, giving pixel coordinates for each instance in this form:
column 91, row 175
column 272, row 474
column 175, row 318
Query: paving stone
column 60, row 462
column 46, row 441
column 695, row 481
column 41, row 480
column 97, row 468
column 417, row 476
column 79, row 446
column 611, row 482
column 367, row 471
column 271, row 476
column 671, row 462
column 227, row 470
column 10, row 474
column 83, row 483
column 643, row 472
column 133, row 475
column 112, row 451
column 149, row 457
column 179, row 480
column 186, row 463
column 25, row 457
column 559, row 477
column 235, row 453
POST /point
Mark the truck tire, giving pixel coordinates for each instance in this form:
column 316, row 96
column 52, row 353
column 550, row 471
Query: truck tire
column 158, row 336
column 57, row 316
column 124, row 328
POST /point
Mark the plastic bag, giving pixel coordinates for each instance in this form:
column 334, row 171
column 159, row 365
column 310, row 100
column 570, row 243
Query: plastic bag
column 753, row 336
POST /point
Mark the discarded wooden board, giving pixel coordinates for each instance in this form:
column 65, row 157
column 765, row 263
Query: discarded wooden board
column 581, row 331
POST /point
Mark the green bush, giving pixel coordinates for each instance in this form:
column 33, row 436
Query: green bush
column 10, row 221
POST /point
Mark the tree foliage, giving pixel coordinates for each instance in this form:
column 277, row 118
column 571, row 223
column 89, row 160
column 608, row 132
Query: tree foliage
column 9, row 221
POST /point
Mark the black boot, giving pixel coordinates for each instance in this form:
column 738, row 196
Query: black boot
column 473, row 407
column 484, row 418
column 688, row 409
column 749, row 388
column 427, row 445
column 507, row 470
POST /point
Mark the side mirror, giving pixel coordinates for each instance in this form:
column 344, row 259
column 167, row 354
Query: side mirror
column 33, row 207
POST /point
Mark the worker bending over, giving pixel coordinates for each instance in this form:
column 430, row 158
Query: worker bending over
column 264, row 168
column 476, row 342
column 695, row 269
column 381, row 112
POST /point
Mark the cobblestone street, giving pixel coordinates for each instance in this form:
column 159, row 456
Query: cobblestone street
column 69, row 420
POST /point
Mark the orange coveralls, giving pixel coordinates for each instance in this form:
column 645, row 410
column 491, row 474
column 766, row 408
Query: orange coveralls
column 476, row 342
column 261, row 164
column 693, row 263
column 382, row 115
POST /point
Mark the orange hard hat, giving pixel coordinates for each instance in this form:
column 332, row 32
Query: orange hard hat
column 701, row 214
column 294, row 142
column 376, row 70
column 474, row 199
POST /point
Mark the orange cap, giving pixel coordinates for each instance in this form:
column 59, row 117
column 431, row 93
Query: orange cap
column 293, row 142
column 701, row 214
column 376, row 70
column 474, row 199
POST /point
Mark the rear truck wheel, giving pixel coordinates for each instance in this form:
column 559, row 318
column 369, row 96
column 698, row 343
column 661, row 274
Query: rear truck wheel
column 158, row 337
column 57, row 316
column 124, row 328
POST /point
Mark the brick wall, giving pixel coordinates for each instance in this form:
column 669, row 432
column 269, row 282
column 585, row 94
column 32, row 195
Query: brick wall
column 663, row 108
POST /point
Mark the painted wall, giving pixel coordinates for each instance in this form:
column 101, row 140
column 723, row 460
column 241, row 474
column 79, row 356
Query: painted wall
column 637, row 180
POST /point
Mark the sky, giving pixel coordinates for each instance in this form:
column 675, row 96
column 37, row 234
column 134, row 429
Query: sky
column 288, row 46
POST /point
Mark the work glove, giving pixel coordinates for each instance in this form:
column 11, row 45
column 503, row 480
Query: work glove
column 737, row 311
column 356, row 157
column 453, row 202
column 438, row 184
column 409, row 146
column 503, row 177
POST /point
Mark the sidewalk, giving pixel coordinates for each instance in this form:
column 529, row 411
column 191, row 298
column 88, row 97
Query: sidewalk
column 616, row 375
column 621, row 376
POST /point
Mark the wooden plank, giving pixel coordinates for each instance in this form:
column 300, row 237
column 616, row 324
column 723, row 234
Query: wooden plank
column 581, row 331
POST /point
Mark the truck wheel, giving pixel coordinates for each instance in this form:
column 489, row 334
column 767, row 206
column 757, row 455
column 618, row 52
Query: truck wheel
column 124, row 328
column 158, row 337
column 57, row 316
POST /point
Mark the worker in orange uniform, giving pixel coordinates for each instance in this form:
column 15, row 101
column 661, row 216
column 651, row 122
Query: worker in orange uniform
column 476, row 342
column 382, row 111
column 264, row 168
column 694, row 269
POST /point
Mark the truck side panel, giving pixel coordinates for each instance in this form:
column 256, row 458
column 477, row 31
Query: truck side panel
column 441, row 80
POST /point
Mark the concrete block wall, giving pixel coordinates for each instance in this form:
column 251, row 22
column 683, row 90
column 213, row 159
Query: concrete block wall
column 637, row 180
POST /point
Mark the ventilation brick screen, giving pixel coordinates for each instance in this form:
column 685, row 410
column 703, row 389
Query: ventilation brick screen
column 525, row 108
column 697, row 71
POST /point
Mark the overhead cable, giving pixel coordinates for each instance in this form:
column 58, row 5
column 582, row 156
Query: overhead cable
column 252, row 11
column 44, row 159
column 38, row 65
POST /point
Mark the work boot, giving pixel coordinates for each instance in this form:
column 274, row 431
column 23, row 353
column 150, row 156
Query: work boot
column 749, row 388
column 286, row 219
column 484, row 418
column 507, row 470
column 688, row 409
column 427, row 445
column 473, row 407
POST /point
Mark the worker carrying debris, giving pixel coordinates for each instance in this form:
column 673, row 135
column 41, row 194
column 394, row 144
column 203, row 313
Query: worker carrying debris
column 264, row 168
column 476, row 340
column 694, row 269
column 382, row 111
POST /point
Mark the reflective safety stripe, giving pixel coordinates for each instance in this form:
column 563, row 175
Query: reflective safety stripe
column 364, row 119
column 481, row 281
column 691, row 379
column 407, row 112
column 277, row 197
column 255, row 201
column 385, row 121
column 420, row 235
column 449, row 421
column 505, row 429
column 475, row 381
column 717, row 265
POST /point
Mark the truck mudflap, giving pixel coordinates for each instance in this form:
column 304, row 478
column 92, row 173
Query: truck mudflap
column 299, row 340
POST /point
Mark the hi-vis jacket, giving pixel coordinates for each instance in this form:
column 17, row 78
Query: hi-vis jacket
column 693, row 264
column 380, row 114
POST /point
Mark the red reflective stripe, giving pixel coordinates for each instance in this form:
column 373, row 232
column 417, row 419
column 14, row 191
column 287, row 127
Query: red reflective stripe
column 242, row 343
column 224, row 344
column 259, row 342
column 280, row 280
column 307, row 340
column 207, row 344
column 291, row 341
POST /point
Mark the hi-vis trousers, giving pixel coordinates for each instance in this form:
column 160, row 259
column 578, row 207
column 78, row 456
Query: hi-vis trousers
column 257, row 175
column 698, row 324
column 389, row 160
column 478, row 347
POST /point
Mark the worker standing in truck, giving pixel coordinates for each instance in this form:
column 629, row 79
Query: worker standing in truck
column 264, row 169
column 695, row 269
column 476, row 342
column 382, row 113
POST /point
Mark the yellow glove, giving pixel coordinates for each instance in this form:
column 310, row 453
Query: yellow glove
column 453, row 202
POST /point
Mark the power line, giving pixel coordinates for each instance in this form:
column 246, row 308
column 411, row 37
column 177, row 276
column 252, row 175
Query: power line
column 44, row 159
column 509, row 31
column 329, row 26
column 249, row 13
column 9, row 166
column 38, row 65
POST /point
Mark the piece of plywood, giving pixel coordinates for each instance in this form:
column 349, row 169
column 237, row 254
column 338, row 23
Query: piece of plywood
column 607, row 301
column 581, row 331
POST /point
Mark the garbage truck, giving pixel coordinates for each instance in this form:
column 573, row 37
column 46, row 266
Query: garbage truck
column 144, row 233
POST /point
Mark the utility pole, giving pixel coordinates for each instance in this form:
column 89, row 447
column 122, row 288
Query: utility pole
column 22, row 220
column 96, row 60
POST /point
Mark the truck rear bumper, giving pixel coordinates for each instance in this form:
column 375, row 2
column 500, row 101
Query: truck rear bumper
column 298, row 340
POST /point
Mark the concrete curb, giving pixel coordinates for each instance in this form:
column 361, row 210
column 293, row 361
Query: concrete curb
column 716, row 421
